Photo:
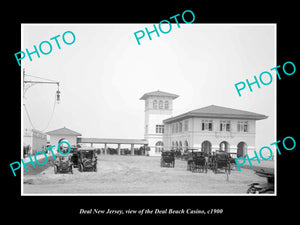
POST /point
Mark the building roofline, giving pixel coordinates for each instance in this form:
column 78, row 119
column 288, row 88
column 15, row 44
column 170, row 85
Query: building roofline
column 63, row 131
column 238, row 114
column 158, row 93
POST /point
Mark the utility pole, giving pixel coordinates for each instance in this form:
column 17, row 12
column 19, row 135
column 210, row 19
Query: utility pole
column 31, row 83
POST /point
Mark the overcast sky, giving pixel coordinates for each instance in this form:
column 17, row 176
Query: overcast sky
column 105, row 72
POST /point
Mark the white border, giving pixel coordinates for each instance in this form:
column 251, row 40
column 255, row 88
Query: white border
column 160, row 194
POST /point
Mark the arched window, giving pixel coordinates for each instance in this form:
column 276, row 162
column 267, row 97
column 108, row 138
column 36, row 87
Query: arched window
column 60, row 140
column 224, row 146
column 154, row 104
column 161, row 104
column 241, row 149
column 159, row 146
column 186, row 145
column 206, row 147
column 166, row 104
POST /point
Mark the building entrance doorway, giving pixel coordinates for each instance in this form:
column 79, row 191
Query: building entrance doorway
column 206, row 147
column 241, row 149
column 224, row 146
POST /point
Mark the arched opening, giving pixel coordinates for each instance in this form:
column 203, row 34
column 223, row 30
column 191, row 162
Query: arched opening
column 224, row 146
column 180, row 146
column 176, row 146
column 60, row 140
column 241, row 149
column 206, row 147
column 186, row 145
column 159, row 146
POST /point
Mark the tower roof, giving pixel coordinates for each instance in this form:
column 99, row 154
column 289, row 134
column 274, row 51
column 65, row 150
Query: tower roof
column 158, row 93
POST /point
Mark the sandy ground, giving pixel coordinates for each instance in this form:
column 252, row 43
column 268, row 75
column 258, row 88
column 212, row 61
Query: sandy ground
column 138, row 175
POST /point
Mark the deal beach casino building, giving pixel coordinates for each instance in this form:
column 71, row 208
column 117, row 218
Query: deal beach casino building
column 205, row 129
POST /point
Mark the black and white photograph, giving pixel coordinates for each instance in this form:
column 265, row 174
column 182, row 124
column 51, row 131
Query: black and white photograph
column 138, row 112
column 159, row 117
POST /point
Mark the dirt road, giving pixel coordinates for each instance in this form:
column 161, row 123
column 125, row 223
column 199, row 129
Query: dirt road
column 138, row 175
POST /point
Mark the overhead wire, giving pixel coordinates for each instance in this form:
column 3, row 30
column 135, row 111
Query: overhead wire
column 53, row 108
column 39, row 77
column 28, row 116
column 51, row 113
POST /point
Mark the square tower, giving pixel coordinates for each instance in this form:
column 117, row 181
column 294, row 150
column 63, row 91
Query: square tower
column 158, row 107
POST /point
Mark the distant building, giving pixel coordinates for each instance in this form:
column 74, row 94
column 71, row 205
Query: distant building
column 36, row 139
column 158, row 106
column 58, row 134
column 212, row 128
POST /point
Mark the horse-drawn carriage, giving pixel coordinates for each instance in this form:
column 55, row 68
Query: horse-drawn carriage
column 74, row 156
column 197, row 161
column 220, row 160
column 167, row 159
column 87, row 159
column 63, row 163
